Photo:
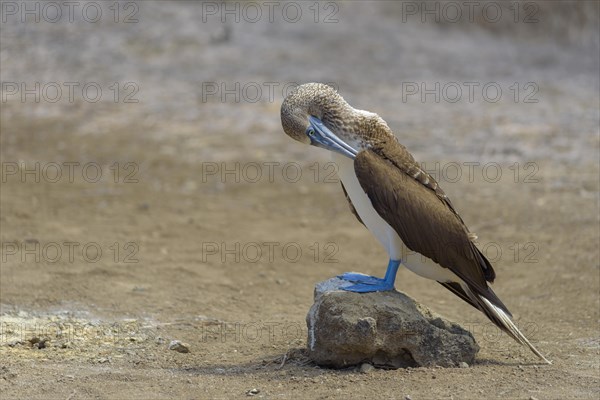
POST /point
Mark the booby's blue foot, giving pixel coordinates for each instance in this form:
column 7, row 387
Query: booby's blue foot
column 369, row 287
column 360, row 278
column 367, row 283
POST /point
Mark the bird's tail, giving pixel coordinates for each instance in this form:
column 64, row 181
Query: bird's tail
column 502, row 319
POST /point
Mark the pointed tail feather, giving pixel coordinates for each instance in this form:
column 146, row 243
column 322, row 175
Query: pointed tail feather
column 503, row 320
column 498, row 314
column 509, row 327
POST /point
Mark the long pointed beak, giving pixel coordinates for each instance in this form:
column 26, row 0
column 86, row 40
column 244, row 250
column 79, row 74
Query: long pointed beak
column 321, row 136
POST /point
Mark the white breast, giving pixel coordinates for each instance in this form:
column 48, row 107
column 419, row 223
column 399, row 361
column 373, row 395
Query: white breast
column 384, row 233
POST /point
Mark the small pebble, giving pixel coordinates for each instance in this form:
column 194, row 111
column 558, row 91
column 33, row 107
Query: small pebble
column 179, row 347
column 38, row 343
column 463, row 364
column 34, row 340
column 252, row 392
column 407, row 397
column 533, row 398
column 366, row 368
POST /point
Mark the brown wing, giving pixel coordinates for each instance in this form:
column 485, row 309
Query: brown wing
column 397, row 154
column 422, row 215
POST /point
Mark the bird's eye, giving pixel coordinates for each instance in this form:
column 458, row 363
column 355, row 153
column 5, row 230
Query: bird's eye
column 310, row 131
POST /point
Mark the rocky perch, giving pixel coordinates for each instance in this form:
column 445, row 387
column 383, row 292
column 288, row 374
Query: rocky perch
column 387, row 329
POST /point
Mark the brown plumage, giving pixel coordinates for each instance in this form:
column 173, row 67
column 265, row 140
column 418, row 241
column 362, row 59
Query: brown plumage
column 404, row 196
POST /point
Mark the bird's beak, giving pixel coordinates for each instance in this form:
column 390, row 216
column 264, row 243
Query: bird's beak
column 321, row 136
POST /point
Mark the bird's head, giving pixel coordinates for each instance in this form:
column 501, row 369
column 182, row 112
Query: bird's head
column 316, row 114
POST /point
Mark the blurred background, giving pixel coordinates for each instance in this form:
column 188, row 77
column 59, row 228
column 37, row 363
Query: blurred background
column 174, row 54
column 139, row 127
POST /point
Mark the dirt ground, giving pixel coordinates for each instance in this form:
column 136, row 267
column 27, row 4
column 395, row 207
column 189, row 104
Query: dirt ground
column 190, row 216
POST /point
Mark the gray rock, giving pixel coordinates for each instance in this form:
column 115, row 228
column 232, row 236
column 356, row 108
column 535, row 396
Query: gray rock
column 366, row 368
column 387, row 329
column 179, row 346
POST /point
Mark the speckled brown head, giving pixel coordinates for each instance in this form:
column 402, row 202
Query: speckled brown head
column 316, row 114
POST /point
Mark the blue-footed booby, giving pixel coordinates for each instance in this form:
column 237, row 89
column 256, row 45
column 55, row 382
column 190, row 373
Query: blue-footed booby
column 401, row 204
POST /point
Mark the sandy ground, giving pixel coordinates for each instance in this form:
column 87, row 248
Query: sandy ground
column 183, row 216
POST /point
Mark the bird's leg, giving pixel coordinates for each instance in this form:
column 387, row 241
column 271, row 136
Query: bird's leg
column 366, row 283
